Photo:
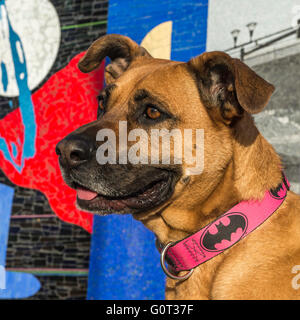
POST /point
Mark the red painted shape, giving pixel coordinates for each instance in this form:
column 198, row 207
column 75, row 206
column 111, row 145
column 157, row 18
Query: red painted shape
column 65, row 102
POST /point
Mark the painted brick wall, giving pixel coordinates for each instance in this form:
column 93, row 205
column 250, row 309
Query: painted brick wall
column 46, row 246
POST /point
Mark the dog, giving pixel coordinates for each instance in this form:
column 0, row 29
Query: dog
column 218, row 94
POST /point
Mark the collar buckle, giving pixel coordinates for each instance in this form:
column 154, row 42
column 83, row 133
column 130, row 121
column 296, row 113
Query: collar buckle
column 167, row 271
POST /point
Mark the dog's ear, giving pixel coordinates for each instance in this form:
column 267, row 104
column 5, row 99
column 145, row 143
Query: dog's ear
column 120, row 49
column 229, row 84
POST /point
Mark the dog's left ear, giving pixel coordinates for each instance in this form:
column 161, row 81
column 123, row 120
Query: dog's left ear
column 121, row 50
column 229, row 84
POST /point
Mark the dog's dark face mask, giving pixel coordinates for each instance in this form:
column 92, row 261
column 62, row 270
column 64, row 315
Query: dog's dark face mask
column 112, row 188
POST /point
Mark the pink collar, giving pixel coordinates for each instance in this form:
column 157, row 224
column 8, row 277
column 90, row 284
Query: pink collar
column 222, row 233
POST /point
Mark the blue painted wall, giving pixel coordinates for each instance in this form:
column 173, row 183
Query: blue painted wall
column 135, row 18
column 124, row 263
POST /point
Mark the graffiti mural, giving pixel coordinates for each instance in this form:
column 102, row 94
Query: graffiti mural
column 42, row 98
column 25, row 102
column 24, row 65
column 12, row 284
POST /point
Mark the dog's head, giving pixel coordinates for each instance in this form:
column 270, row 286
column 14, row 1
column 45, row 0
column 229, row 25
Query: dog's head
column 116, row 172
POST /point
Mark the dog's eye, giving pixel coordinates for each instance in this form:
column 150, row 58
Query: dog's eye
column 101, row 106
column 152, row 113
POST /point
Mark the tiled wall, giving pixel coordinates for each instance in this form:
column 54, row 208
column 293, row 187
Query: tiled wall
column 56, row 252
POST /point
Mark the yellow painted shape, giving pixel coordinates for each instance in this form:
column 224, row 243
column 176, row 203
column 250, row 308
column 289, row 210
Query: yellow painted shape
column 158, row 41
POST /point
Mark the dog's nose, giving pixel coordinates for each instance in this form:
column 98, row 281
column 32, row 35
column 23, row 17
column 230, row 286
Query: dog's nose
column 74, row 150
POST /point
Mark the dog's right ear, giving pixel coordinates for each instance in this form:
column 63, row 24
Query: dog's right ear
column 228, row 86
column 120, row 49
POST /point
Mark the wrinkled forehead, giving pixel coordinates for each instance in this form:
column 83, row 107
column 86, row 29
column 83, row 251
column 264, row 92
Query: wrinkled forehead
column 165, row 79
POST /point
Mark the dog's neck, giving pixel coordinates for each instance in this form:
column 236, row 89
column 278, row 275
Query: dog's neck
column 257, row 167
column 254, row 168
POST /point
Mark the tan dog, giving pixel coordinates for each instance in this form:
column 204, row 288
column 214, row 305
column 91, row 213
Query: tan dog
column 213, row 92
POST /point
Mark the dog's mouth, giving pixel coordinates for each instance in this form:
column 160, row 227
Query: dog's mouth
column 146, row 198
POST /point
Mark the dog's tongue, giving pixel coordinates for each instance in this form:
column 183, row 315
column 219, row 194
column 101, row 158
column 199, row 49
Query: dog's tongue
column 85, row 194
